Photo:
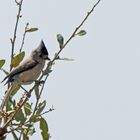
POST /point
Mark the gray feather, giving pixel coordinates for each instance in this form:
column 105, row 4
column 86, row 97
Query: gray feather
column 21, row 68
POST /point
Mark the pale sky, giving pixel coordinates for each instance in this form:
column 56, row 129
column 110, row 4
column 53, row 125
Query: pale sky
column 97, row 96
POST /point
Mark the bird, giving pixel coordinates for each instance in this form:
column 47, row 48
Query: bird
column 28, row 71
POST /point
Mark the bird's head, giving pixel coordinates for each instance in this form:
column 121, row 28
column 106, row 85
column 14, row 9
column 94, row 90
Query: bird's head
column 40, row 53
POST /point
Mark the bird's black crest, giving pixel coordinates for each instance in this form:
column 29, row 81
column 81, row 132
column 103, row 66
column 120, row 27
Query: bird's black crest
column 43, row 48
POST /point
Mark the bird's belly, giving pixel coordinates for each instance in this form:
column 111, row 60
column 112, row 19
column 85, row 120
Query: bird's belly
column 31, row 75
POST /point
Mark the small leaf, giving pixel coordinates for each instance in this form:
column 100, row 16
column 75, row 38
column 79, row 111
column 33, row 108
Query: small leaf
column 28, row 125
column 60, row 40
column 34, row 118
column 44, row 129
column 2, row 62
column 41, row 106
column 48, row 69
column 17, row 59
column 20, row 117
column 11, row 103
column 9, row 106
column 1, row 114
column 37, row 91
column 81, row 33
column 31, row 29
column 15, row 89
column 66, row 59
column 29, row 131
column 27, row 109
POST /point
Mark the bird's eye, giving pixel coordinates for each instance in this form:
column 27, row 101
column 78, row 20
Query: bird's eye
column 41, row 55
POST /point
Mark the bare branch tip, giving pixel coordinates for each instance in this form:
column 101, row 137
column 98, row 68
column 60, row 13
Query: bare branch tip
column 18, row 3
column 27, row 23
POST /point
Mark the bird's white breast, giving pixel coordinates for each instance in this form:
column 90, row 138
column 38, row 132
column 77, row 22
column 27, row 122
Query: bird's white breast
column 31, row 75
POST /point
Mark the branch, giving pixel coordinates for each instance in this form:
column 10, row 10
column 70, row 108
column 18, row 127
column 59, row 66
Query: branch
column 23, row 39
column 51, row 109
column 17, row 109
column 15, row 29
column 76, row 29
column 18, row 3
column 41, row 91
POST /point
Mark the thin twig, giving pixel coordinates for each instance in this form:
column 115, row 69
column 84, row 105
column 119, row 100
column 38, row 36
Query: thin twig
column 23, row 39
column 14, row 135
column 15, row 29
column 51, row 109
column 41, row 91
column 36, row 105
column 18, row 3
column 76, row 29
column 24, row 89
column 21, row 134
column 12, row 129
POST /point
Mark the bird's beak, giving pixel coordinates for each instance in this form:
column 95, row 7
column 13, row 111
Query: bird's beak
column 47, row 58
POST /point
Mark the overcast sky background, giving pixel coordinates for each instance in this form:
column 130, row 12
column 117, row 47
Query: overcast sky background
column 97, row 96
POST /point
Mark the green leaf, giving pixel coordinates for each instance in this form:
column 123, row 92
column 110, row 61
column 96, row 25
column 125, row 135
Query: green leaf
column 48, row 69
column 60, row 39
column 34, row 118
column 66, row 59
column 11, row 103
column 17, row 59
column 20, row 117
column 27, row 109
column 1, row 114
column 29, row 125
column 15, row 89
column 37, row 91
column 29, row 131
column 44, row 129
column 2, row 62
column 9, row 106
column 31, row 29
column 81, row 33
column 41, row 106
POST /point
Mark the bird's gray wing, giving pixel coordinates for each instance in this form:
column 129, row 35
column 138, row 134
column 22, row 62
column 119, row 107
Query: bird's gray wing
column 21, row 68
